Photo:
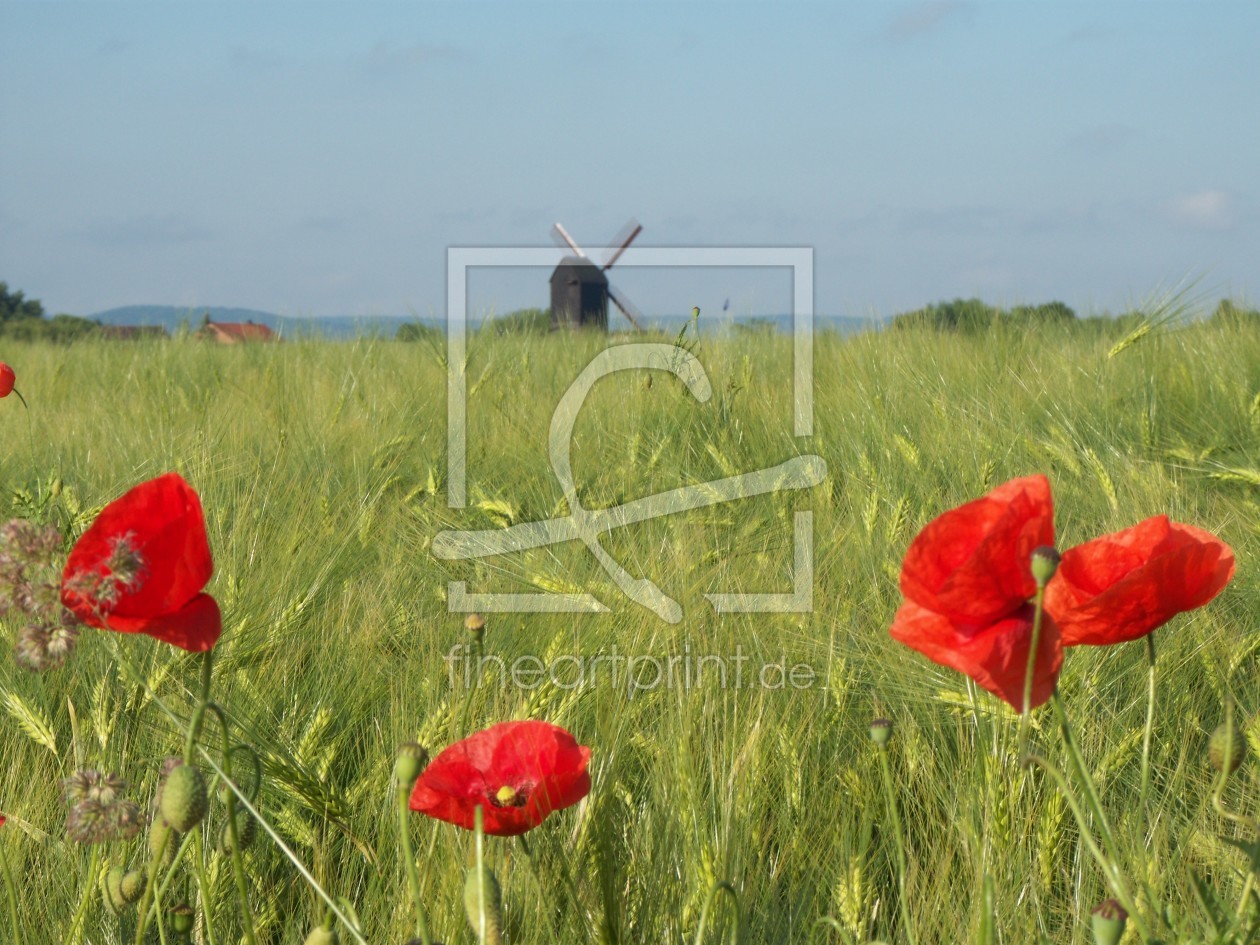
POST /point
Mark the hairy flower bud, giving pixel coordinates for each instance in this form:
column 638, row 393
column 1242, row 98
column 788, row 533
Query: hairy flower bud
column 246, row 831
column 111, row 890
column 163, row 839
column 320, row 936
column 1226, row 749
column 183, row 800
column 482, row 897
column 132, row 885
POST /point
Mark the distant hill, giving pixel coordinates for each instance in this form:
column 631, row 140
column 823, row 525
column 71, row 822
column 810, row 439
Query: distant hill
column 341, row 327
column 171, row 317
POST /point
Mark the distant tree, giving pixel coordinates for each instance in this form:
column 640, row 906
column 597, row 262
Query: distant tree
column 1229, row 312
column 525, row 321
column 417, row 331
column 14, row 305
column 1046, row 312
column 959, row 315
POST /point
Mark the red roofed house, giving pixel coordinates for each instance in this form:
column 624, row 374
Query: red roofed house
column 234, row 333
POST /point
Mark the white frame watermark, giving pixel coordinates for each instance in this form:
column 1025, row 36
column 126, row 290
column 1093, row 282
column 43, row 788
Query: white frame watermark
column 586, row 525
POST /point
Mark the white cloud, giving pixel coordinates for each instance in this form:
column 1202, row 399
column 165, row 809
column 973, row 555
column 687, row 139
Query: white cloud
column 1202, row 210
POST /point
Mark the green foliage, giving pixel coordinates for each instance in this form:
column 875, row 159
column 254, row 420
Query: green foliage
column 1229, row 312
column 321, row 468
column 58, row 329
column 15, row 305
column 965, row 315
column 525, row 321
column 1046, row 312
column 972, row 315
column 22, row 319
column 418, row 331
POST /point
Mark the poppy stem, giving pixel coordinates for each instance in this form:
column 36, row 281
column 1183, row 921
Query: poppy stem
column 1092, row 796
column 479, row 838
column 1217, row 804
column 238, row 860
column 1144, row 781
column 199, row 714
column 1110, row 869
column 11, row 891
column 30, row 433
column 1033, row 645
column 409, row 858
column 895, row 817
column 151, row 891
column 726, row 887
column 552, row 913
column 81, row 912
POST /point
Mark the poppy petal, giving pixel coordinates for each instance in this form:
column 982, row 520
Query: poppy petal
column 1121, row 586
column 971, row 564
column 541, row 763
column 995, row 656
column 194, row 627
column 162, row 519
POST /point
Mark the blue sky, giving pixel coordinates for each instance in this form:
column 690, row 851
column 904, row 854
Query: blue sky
column 319, row 158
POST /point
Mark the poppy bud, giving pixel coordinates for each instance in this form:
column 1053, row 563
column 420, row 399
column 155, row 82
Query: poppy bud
column 132, row 886
column 320, row 936
column 1226, row 751
column 163, row 840
column 1108, row 920
column 181, row 919
column 246, row 831
column 111, row 890
column 184, row 802
column 481, row 896
column 408, row 763
column 881, row 731
column 476, row 625
column 1045, row 561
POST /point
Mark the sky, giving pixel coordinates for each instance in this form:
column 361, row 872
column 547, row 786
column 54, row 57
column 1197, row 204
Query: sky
column 319, row 158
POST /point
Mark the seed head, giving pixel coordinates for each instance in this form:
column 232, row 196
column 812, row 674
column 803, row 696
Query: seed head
column 98, row 810
column 181, row 919
column 881, row 732
column 1045, row 561
column 408, row 763
column 1108, row 920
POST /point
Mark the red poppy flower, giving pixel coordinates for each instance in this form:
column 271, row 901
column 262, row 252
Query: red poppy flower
column 141, row 566
column 1122, row 586
column 967, row 581
column 971, row 564
column 517, row 772
column 7, row 380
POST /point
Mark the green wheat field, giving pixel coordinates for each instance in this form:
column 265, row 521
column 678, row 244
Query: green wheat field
column 322, row 470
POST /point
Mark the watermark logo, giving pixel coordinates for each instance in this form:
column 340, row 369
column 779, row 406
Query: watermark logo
column 588, row 525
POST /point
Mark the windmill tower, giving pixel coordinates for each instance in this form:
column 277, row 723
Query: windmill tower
column 580, row 290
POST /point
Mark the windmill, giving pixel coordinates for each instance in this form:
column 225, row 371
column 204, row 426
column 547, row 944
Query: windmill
column 580, row 290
